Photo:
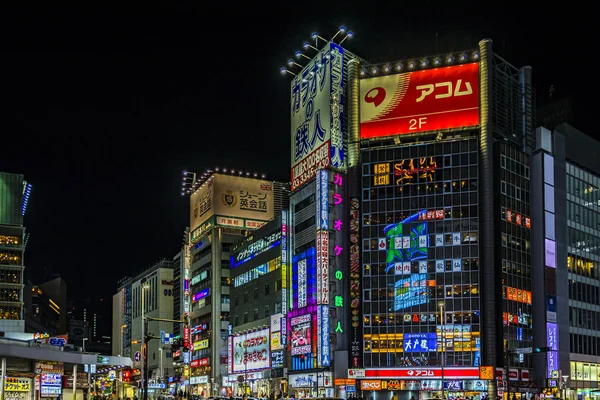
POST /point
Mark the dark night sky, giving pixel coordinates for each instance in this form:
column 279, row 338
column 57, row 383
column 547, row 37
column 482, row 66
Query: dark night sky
column 103, row 108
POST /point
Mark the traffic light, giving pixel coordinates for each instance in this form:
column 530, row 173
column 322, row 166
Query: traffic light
column 541, row 349
column 176, row 345
column 127, row 375
column 186, row 319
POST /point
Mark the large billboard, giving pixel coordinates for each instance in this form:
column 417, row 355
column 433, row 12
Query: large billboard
column 232, row 201
column 251, row 351
column 317, row 115
column 420, row 101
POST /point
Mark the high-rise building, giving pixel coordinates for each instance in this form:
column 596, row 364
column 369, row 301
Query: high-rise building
column 423, row 161
column 14, row 195
column 566, row 257
column 446, row 223
column 224, row 208
column 148, row 295
column 259, row 295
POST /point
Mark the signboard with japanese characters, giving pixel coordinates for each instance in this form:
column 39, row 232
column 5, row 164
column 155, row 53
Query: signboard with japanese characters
column 420, row 342
column 236, row 201
column 317, row 103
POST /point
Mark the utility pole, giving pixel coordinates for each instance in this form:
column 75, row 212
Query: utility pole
column 147, row 337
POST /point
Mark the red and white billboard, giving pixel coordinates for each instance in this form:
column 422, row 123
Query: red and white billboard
column 420, row 101
column 423, row 373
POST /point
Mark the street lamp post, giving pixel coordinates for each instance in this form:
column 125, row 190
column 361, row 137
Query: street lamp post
column 443, row 361
column 84, row 340
column 144, row 350
column 160, row 350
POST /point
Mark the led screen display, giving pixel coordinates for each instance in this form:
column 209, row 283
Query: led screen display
column 301, row 335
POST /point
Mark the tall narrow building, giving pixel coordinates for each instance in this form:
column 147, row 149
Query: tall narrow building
column 224, row 208
column 14, row 195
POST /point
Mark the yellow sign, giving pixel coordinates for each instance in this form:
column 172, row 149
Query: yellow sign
column 381, row 174
column 234, row 197
column 275, row 340
column 486, row 373
column 201, row 344
column 17, row 385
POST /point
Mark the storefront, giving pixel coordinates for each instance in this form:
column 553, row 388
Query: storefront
column 18, row 388
column 307, row 385
column 257, row 384
column 585, row 381
column 345, row 388
column 375, row 389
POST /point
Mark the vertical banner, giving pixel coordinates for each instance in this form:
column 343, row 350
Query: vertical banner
column 325, row 359
column 322, row 267
column 355, row 274
column 552, row 343
column 284, row 273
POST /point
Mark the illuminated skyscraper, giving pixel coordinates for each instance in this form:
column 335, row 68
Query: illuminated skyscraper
column 14, row 195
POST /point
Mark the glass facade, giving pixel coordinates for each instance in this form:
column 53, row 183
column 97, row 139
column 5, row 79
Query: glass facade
column 515, row 252
column 583, row 221
column 420, row 255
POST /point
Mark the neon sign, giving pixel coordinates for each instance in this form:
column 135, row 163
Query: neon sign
column 200, row 295
column 355, row 336
column 256, row 248
column 406, row 246
column 422, row 169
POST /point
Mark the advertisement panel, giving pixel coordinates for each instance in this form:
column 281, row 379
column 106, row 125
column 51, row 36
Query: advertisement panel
column 325, row 360
column 317, row 104
column 201, row 205
column 420, row 101
column 323, row 267
column 304, row 278
column 234, row 201
column 301, row 336
column 552, row 343
column 251, row 351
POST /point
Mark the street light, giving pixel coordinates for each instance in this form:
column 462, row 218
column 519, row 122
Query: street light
column 443, row 361
column 84, row 340
column 144, row 352
column 160, row 370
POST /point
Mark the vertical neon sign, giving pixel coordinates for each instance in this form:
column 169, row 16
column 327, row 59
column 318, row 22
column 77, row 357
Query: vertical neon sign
column 552, row 343
column 355, row 334
column 284, row 275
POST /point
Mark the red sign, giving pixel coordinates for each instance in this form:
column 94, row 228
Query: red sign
column 424, row 373
column 420, row 101
column 199, row 363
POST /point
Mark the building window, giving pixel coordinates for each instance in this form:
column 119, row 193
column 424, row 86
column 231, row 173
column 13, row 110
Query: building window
column 245, row 297
column 245, row 317
column 237, row 300
column 266, row 289
column 255, row 314
column 255, row 293
column 236, row 320
column 267, row 313
column 278, row 285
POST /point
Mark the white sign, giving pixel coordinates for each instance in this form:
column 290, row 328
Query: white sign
column 323, row 267
column 316, row 107
column 251, row 351
column 276, row 322
column 302, row 286
column 357, row 373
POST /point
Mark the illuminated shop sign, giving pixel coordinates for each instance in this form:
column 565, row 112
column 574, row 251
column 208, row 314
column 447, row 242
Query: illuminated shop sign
column 552, row 343
column 202, row 362
column 200, row 295
column 199, row 328
column 420, row 101
column 277, row 358
column 406, row 244
column 514, row 294
column 254, row 249
column 317, row 104
column 50, row 384
column 201, row 344
column 229, row 353
column 516, row 218
column 251, row 351
column 428, row 215
column 420, row 342
column 284, row 276
column 355, row 283
column 415, row 170
column 304, row 278
column 381, row 174
column 301, row 334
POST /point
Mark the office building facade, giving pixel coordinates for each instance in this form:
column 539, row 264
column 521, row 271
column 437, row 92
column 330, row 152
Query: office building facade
column 224, row 207
column 566, row 174
column 14, row 195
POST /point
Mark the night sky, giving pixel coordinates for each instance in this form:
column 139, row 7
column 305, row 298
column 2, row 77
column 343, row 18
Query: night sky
column 102, row 109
